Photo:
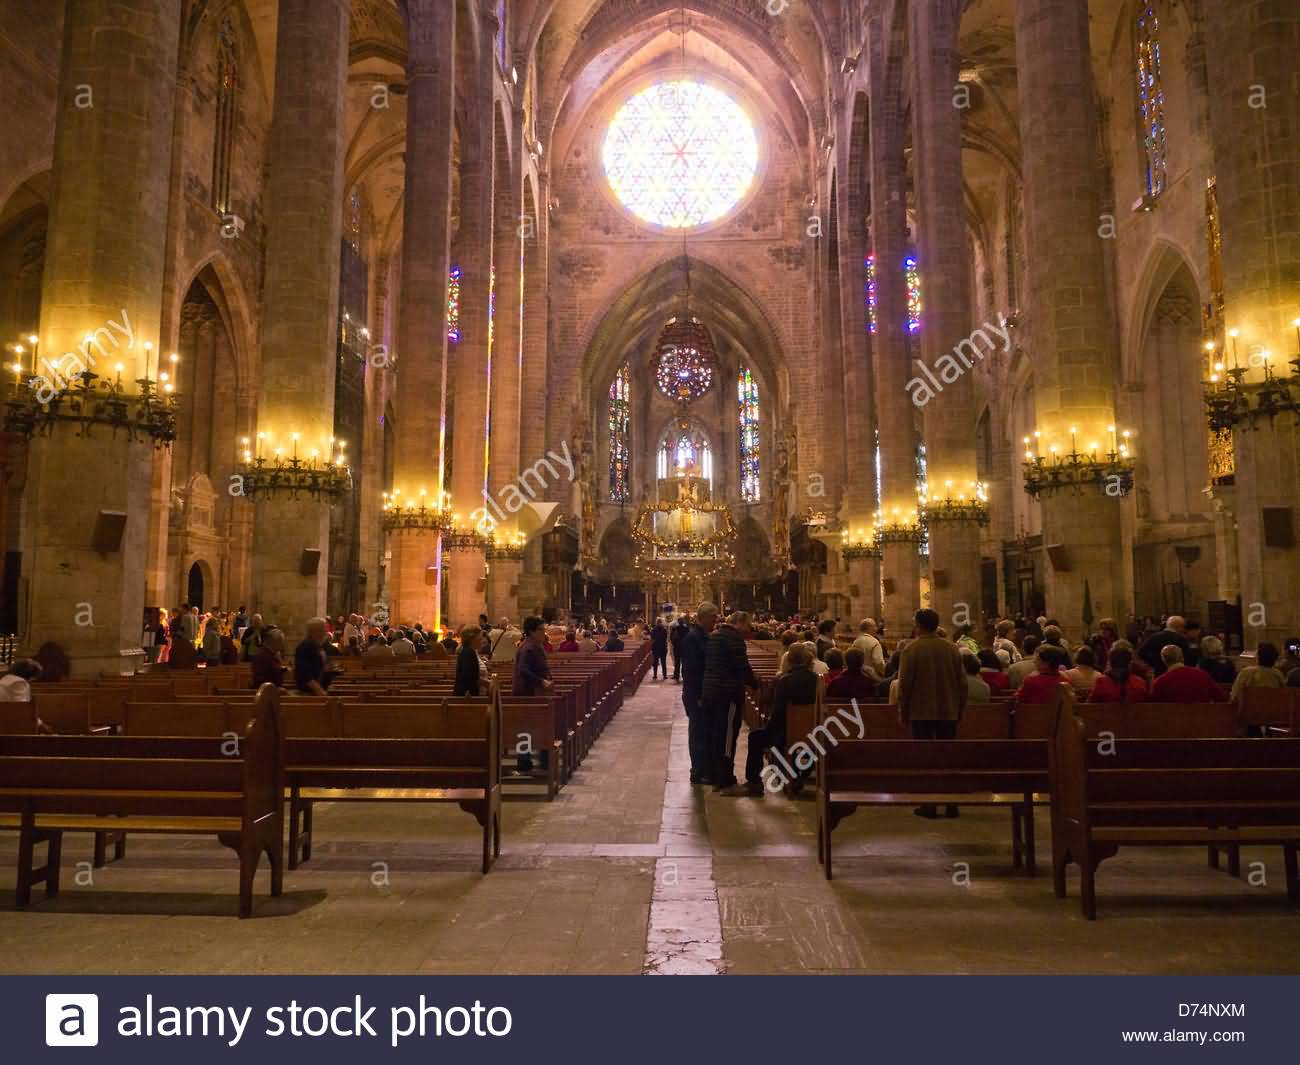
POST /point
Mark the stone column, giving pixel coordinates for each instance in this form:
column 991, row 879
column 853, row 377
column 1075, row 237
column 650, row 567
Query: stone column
column 1255, row 126
column 300, row 317
column 857, row 514
column 1074, row 367
column 378, row 361
column 103, row 279
column 901, row 565
column 944, row 257
column 413, row 588
column 466, row 559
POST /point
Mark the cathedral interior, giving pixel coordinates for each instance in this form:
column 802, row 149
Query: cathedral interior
column 710, row 251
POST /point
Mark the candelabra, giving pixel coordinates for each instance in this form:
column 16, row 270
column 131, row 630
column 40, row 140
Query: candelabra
column 506, row 549
column 903, row 529
column 857, row 548
column 78, row 395
column 1111, row 471
column 1232, row 402
column 413, row 515
column 969, row 506
column 293, row 476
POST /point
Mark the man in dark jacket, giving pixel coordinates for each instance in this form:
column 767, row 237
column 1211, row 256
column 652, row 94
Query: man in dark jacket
column 691, row 653
column 727, row 673
column 675, row 637
column 659, row 649
column 532, row 673
column 1170, row 636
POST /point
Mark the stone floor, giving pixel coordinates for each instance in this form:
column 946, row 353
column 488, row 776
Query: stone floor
column 630, row 871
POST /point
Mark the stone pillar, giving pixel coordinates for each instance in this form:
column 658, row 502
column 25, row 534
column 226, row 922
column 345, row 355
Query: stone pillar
column 1255, row 127
column 299, row 321
column 901, row 565
column 944, row 257
column 422, row 321
column 1074, row 368
column 378, row 361
column 103, row 278
column 466, row 559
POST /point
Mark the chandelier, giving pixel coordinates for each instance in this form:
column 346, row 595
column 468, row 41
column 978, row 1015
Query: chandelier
column 963, row 505
column 685, row 360
column 326, row 480
column 1232, row 402
column 77, row 394
column 644, row 531
column 1111, row 470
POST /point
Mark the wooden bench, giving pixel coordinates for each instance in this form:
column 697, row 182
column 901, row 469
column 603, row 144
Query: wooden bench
column 462, row 765
column 57, row 784
column 1274, row 711
column 1167, row 792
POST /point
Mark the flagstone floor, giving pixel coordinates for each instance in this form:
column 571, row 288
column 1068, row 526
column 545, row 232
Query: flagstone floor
column 629, row 870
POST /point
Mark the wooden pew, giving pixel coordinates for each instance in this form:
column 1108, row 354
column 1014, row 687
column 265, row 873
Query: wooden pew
column 462, row 765
column 1167, row 792
column 1276, row 711
column 57, row 784
column 968, row 772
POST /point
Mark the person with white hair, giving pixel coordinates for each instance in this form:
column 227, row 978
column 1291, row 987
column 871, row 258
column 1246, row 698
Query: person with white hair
column 312, row 672
column 869, row 644
column 817, row 665
column 1170, row 635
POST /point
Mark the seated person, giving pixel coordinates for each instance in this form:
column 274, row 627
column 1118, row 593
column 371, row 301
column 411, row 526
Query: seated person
column 587, row 644
column 268, row 663
column 1214, row 662
column 854, row 682
column 15, row 686
column 613, row 642
column 1120, row 683
column 1263, row 675
column 798, row 687
column 834, row 664
column 1040, row 688
column 569, row 645
column 1181, row 684
column 992, row 672
column 1084, row 674
column 976, row 690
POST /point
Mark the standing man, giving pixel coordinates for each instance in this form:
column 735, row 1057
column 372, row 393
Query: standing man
column 691, row 653
column 675, row 637
column 727, row 673
column 532, row 673
column 932, row 688
column 659, row 649
column 868, row 643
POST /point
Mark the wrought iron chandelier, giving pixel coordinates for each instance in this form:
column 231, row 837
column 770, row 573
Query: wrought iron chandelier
column 1108, row 470
column 1232, row 402
column 324, row 480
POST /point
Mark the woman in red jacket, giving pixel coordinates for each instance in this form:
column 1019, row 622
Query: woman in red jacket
column 1119, row 684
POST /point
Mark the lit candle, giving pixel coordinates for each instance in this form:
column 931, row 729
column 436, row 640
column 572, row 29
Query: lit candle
column 1111, row 429
column 119, row 369
column 148, row 355
column 1073, row 447
column 294, row 438
column 1296, row 323
column 260, row 438
column 1233, row 334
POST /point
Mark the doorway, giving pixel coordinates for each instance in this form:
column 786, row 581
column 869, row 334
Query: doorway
column 194, row 591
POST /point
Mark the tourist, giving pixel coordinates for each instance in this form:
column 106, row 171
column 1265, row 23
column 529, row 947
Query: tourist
column 694, row 644
column 251, row 642
column 1192, row 634
column 403, row 646
column 505, row 641
column 797, row 688
column 1026, row 666
column 834, row 664
column 1119, row 683
column 15, row 685
column 569, row 645
column 964, row 641
column 586, row 645
column 1264, row 674
column 190, row 623
column 268, row 664
column 532, row 674
column 448, row 642
column 992, row 670
column 818, row 665
column 932, row 688
column 870, row 646
column 659, row 649
column 853, row 682
column 240, row 622
column 675, row 637
column 977, row 690
column 613, row 642
column 1084, row 674
column 1172, row 633
column 1042, row 686
column 470, row 677
column 1180, row 684
column 1003, row 639
column 311, row 671
column 1054, row 637
column 212, row 641
column 1214, row 662
column 727, row 673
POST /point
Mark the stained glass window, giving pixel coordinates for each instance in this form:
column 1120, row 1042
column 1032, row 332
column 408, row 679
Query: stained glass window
column 1151, row 99
column 684, row 452
column 913, row 274
column 620, row 425
column 492, row 305
column 453, row 305
column 870, row 267
column 680, row 153
column 225, row 120
column 747, row 389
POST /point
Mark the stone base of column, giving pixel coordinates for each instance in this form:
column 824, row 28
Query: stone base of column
column 286, row 528
column 503, row 588
column 467, row 587
column 90, row 603
column 955, row 573
column 412, row 577
column 864, row 589
column 1087, row 530
column 901, row 598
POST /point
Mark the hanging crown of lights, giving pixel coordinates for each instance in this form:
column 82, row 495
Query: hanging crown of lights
column 685, row 360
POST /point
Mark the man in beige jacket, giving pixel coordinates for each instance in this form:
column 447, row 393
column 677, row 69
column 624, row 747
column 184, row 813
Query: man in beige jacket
column 932, row 688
